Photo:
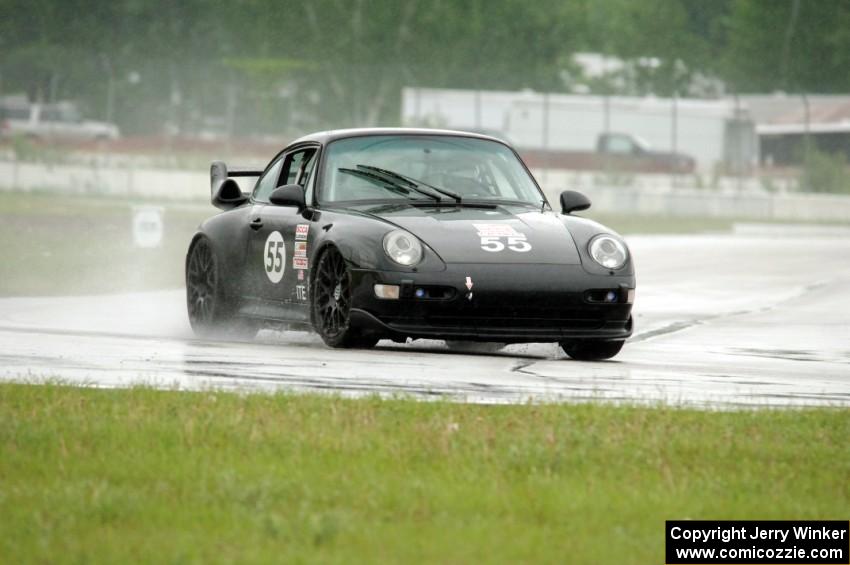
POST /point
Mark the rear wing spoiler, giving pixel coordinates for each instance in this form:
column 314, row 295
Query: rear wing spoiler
column 224, row 194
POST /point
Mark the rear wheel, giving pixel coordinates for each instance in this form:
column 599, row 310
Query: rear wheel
column 331, row 303
column 592, row 350
column 208, row 310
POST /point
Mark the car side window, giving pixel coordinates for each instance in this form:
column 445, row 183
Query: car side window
column 297, row 167
column 307, row 168
column 291, row 168
column 268, row 182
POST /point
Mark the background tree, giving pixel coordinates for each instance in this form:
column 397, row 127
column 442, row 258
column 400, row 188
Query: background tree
column 286, row 67
column 788, row 45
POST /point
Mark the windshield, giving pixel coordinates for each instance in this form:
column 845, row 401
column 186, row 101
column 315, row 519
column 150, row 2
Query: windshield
column 424, row 168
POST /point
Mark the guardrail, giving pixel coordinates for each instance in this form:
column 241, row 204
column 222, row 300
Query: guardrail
column 701, row 203
column 157, row 184
column 165, row 184
column 693, row 202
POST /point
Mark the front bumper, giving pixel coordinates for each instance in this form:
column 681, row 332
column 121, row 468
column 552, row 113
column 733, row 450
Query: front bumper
column 506, row 303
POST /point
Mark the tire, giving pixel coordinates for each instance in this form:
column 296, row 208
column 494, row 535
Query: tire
column 210, row 315
column 474, row 346
column 331, row 304
column 592, row 350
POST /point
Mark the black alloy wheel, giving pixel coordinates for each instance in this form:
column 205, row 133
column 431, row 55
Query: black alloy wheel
column 209, row 313
column 201, row 287
column 332, row 303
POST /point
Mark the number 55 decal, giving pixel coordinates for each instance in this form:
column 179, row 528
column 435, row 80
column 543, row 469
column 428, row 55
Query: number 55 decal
column 494, row 244
column 274, row 257
column 518, row 243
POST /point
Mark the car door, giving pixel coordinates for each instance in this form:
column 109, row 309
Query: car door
column 279, row 243
column 254, row 274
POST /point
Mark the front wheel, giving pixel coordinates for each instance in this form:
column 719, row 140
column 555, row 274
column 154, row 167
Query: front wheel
column 592, row 350
column 331, row 303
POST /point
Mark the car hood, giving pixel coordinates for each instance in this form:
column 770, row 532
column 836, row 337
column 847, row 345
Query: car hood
column 504, row 234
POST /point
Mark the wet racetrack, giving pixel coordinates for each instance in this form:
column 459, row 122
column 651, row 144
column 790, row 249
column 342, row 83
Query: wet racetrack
column 721, row 320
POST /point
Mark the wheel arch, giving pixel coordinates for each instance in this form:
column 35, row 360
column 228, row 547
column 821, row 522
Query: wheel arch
column 192, row 243
column 346, row 249
column 230, row 284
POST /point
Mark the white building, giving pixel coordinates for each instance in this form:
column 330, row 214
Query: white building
column 717, row 133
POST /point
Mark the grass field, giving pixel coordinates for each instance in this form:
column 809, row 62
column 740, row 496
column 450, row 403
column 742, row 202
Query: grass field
column 171, row 477
column 73, row 244
column 69, row 244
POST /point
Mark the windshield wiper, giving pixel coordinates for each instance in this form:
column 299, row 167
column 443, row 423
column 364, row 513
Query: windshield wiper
column 384, row 182
column 411, row 182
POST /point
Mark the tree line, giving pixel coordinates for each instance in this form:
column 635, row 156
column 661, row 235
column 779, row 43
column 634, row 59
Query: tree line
column 285, row 66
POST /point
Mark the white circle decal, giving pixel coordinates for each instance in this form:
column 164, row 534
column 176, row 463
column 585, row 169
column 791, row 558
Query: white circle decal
column 274, row 257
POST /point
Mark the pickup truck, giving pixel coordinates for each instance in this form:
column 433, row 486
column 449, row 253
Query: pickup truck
column 618, row 152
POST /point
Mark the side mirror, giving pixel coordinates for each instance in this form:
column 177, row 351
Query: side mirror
column 288, row 195
column 228, row 195
column 572, row 201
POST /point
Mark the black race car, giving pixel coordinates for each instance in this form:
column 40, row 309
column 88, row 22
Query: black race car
column 372, row 234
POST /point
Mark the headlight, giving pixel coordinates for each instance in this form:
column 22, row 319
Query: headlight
column 608, row 252
column 403, row 248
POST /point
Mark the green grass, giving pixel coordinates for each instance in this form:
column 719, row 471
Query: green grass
column 633, row 225
column 140, row 475
column 67, row 244
column 72, row 244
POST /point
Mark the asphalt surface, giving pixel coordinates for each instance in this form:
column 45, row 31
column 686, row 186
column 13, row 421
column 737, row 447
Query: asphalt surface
column 721, row 320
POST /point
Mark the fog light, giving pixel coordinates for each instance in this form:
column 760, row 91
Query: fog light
column 611, row 296
column 387, row 291
column 420, row 293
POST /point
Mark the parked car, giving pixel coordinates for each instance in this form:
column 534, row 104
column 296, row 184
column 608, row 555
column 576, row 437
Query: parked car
column 376, row 234
column 52, row 122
